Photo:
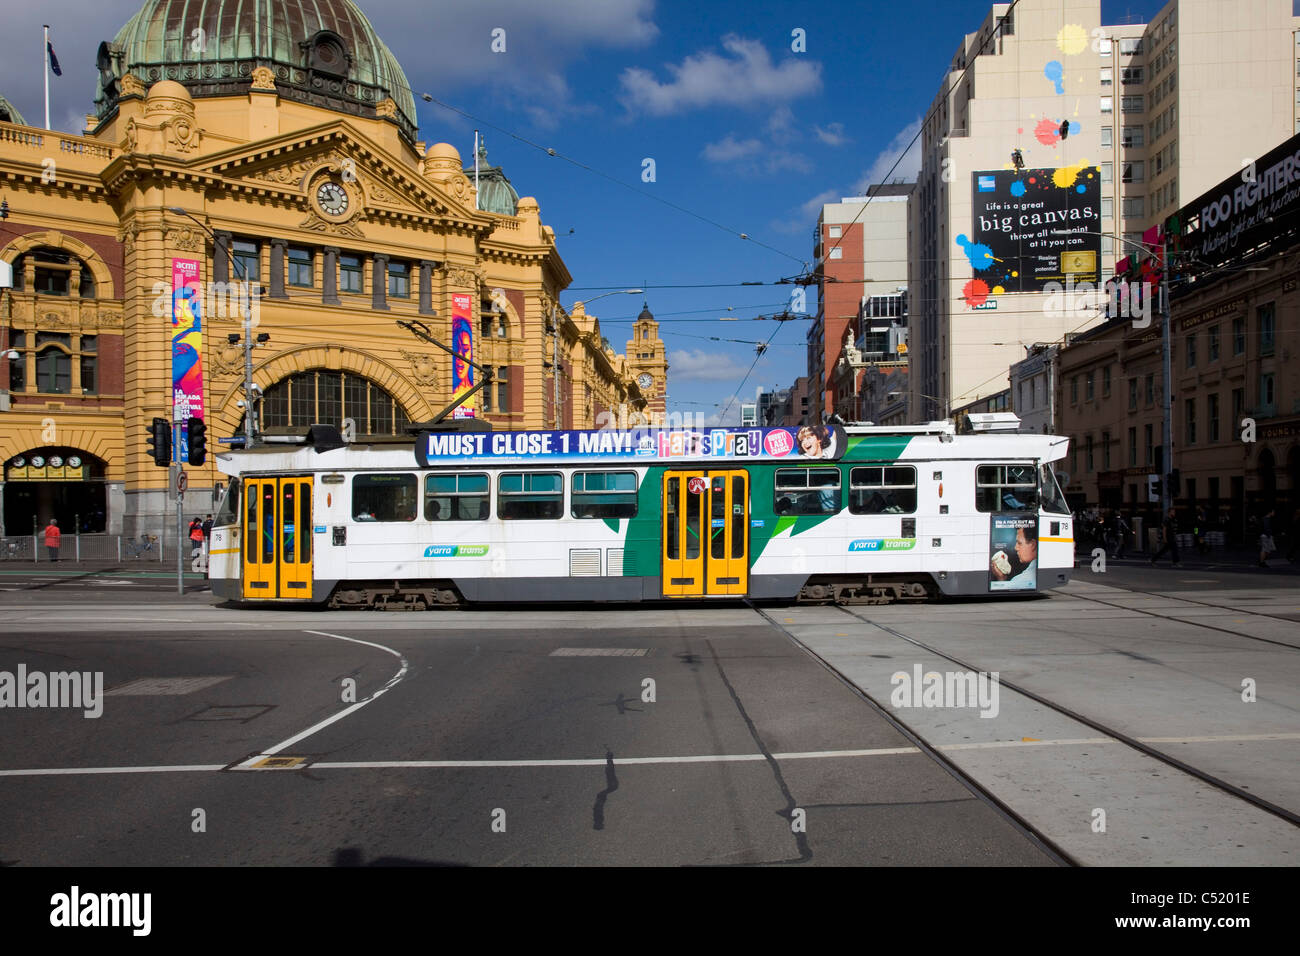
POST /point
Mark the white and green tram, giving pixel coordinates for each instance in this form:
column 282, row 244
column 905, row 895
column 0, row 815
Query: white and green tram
column 847, row 514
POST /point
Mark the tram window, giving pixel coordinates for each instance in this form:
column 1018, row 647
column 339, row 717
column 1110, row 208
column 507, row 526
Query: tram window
column 882, row 491
column 672, row 528
column 807, row 491
column 738, row 516
column 1052, row 498
column 228, row 508
column 1006, row 488
column 604, row 494
column 384, row 497
column 530, row 495
column 250, row 529
column 456, row 497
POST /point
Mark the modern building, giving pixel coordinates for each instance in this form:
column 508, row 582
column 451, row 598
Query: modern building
column 1053, row 142
column 1235, row 338
column 280, row 166
column 860, row 247
column 785, row 406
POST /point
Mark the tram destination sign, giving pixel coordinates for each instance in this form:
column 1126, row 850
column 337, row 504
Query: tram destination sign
column 806, row 442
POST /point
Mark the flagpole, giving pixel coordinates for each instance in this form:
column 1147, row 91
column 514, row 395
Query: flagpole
column 45, row 52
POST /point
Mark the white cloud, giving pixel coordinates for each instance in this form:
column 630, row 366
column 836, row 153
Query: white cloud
column 729, row 148
column 812, row 208
column 746, row 78
column 832, row 134
column 697, row 365
column 907, row 169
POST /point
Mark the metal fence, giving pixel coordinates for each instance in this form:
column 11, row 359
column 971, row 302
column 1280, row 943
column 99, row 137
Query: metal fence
column 85, row 547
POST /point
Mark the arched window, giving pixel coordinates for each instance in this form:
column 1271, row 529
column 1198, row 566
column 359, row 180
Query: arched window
column 328, row 397
column 53, row 370
column 52, row 273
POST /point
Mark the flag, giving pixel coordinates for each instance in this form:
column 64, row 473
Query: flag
column 54, row 60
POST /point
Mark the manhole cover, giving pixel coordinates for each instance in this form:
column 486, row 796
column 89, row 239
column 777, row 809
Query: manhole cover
column 244, row 713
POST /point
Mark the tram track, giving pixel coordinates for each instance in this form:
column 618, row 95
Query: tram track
column 1208, row 627
column 1132, row 742
column 1026, row 829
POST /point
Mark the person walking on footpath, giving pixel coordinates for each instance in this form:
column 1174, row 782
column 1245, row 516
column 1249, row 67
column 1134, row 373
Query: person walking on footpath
column 52, row 536
column 1169, row 533
column 1266, row 546
column 207, row 539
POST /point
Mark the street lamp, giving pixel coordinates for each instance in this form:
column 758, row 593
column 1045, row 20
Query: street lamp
column 555, row 355
column 247, row 310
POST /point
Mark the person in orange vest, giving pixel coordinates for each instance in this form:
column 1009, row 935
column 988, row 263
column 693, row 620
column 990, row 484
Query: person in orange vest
column 52, row 536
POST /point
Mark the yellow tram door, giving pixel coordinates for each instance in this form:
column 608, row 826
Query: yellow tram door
column 277, row 537
column 705, row 533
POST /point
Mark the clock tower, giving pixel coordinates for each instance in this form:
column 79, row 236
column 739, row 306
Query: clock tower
column 649, row 364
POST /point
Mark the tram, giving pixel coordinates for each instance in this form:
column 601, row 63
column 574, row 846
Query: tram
column 829, row 513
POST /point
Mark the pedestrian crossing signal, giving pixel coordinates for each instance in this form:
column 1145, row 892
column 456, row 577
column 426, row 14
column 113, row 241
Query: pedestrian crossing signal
column 160, row 442
column 196, row 441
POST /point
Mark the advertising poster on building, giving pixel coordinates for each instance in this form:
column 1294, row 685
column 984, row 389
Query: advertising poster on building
column 462, row 342
column 1013, row 552
column 187, row 348
column 1033, row 227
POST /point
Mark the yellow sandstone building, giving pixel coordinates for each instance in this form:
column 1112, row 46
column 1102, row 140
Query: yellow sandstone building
column 275, row 144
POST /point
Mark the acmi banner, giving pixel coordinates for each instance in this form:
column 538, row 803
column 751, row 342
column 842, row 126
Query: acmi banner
column 1250, row 207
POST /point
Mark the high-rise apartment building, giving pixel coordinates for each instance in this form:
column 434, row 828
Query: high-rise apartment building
column 1125, row 121
column 861, row 250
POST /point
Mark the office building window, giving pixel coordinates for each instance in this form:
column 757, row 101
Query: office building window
column 1191, row 350
column 1107, row 209
column 1088, row 388
column 837, row 253
column 1130, row 74
column 1266, row 315
column 1132, row 104
column 1130, row 46
column 1106, row 106
column 835, row 231
column 1238, row 337
column 1105, row 451
column 1151, row 389
column 1189, row 416
column 1212, row 416
column 1089, row 454
column 1107, row 137
column 1133, row 136
column 1107, row 172
column 1133, row 207
column 1266, row 393
column 1105, row 382
column 246, row 259
column 1133, row 447
column 399, row 280
column 1107, row 76
column 1134, row 172
column 1213, row 336
column 1132, row 394
column 1074, row 390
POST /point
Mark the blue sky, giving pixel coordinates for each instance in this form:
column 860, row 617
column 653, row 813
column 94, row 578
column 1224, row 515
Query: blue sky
column 743, row 132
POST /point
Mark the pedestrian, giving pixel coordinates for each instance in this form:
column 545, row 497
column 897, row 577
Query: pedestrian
column 207, row 539
column 1266, row 546
column 52, row 536
column 1121, row 530
column 1169, row 537
column 1199, row 528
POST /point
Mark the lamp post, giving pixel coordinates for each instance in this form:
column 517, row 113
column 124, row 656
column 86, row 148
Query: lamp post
column 247, row 311
column 555, row 349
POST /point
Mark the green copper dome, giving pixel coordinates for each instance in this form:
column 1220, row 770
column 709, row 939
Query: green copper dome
column 9, row 113
column 495, row 194
column 322, row 52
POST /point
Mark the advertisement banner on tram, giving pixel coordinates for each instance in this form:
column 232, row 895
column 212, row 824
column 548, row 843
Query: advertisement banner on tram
column 1013, row 552
column 824, row 442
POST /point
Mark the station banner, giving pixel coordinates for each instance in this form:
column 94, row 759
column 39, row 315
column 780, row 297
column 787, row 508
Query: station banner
column 639, row 446
column 187, row 349
column 1013, row 552
column 1034, row 226
column 462, row 342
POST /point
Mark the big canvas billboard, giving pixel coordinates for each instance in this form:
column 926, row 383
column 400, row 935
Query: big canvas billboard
column 1034, row 226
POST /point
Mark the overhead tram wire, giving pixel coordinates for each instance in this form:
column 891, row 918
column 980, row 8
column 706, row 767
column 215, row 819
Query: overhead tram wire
column 969, row 66
column 549, row 151
column 761, row 350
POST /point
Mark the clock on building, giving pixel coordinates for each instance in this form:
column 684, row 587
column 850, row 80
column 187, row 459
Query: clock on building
column 332, row 198
column 645, row 380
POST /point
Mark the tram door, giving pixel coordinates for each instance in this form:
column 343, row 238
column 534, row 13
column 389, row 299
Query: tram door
column 277, row 537
column 705, row 533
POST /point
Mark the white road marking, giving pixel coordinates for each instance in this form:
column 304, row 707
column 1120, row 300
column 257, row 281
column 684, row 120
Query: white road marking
column 342, row 713
column 622, row 761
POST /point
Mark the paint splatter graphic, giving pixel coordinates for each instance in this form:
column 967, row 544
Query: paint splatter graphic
column 1066, row 176
column 1055, row 72
column 1048, row 132
column 1072, row 39
column 1017, row 189
column 980, row 255
column 976, row 292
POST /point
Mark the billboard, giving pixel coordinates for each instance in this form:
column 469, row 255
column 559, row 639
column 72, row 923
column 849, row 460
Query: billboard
column 1253, row 206
column 640, row 446
column 1030, row 227
column 462, row 343
column 187, row 349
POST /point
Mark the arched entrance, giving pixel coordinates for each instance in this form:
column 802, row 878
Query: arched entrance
column 54, row 482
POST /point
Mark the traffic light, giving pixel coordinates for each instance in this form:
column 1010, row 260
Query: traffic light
column 196, row 441
column 160, row 441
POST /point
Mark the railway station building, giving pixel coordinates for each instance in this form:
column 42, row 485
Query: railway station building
column 280, row 168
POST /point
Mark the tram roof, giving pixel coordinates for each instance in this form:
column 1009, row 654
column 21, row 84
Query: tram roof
column 860, row 444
